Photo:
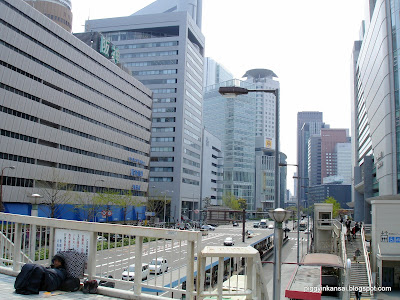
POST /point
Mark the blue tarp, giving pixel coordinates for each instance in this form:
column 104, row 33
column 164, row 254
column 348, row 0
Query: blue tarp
column 70, row 212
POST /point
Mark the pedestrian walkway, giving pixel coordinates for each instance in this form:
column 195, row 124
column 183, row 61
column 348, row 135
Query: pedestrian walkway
column 358, row 272
column 7, row 292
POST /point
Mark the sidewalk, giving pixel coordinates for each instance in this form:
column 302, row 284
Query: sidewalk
column 7, row 292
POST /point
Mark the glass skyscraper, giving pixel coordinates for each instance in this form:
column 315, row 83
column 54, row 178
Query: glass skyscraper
column 232, row 120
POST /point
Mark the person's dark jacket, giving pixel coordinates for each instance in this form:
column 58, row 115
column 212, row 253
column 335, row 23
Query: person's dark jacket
column 34, row 278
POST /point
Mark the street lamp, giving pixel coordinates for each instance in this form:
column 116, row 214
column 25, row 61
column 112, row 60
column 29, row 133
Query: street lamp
column 279, row 215
column 233, row 91
column 34, row 211
column 298, row 207
column 1, row 187
column 165, row 202
column 100, row 180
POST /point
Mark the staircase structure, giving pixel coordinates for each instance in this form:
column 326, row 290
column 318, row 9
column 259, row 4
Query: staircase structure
column 359, row 269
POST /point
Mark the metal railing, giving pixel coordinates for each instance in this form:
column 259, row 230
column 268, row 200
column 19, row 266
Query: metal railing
column 110, row 249
column 367, row 263
column 231, row 271
column 325, row 223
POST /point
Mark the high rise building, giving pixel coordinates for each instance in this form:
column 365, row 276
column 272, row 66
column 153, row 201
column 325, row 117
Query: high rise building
column 67, row 115
column 212, row 170
column 162, row 45
column 308, row 124
column 263, row 79
column 376, row 135
column 57, row 10
column 329, row 139
column 215, row 73
column 314, row 160
column 343, row 161
column 265, row 179
column 232, row 120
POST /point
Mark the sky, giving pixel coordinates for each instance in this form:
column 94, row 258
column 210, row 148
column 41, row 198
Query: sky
column 307, row 43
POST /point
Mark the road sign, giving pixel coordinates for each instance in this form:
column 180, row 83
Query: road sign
column 196, row 211
column 109, row 213
column 103, row 213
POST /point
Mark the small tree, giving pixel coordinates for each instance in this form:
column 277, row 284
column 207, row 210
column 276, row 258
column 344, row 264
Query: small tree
column 88, row 204
column 55, row 194
column 229, row 200
column 242, row 203
column 336, row 206
column 127, row 201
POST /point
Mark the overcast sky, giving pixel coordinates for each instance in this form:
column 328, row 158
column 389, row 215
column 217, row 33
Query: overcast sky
column 306, row 43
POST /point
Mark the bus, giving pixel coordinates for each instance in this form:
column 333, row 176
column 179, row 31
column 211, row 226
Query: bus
column 303, row 225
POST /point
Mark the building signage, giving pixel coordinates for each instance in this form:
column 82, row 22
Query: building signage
column 135, row 160
column 72, row 240
column 109, row 50
column 136, row 187
column 136, row 173
column 388, row 237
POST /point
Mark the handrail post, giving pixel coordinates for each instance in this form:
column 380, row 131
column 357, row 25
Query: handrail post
column 138, row 265
column 190, row 270
column 17, row 247
column 220, row 276
column 91, row 269
column 367, row 263
column 250, row 278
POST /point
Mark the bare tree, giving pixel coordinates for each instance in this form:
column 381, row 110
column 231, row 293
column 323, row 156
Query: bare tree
column 55, row 194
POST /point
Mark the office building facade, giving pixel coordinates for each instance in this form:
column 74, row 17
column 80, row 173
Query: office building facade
column 308, row 124
column 375, row 132
column 232, row 120
column 263, row 79
column 164, row 48
column 214, row 72
column 59, row 11
column 265, row 180
column 212, row 170
column 61, row 119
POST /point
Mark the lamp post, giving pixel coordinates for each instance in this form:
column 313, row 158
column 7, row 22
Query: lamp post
column 1, row 187
column 100, row 180
column 165, row 203
column 298, row 207
column 34, row 211
column 279, row 215
column 94, row 192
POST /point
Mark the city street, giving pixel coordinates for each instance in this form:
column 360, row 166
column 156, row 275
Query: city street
column 107, row 265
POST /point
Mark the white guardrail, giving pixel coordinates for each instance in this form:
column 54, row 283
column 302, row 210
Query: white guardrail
column 367, row 263
column 112, row 248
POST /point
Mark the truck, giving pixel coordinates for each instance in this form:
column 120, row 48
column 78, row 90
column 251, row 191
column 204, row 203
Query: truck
column 263, row 223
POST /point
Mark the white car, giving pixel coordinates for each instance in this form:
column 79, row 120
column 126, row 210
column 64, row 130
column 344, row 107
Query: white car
column 271, row 226
column 158, row 266
column 229, row 241
column 208, row 227
column 129, row 273
column 101, row 239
